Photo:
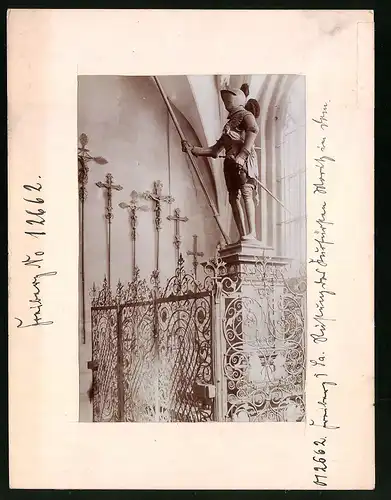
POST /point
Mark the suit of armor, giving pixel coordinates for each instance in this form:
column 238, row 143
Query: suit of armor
column 240, row 164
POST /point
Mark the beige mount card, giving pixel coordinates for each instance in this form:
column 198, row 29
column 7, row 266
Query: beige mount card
column 191, row 249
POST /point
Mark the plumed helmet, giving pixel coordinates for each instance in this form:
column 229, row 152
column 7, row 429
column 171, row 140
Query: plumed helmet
column 238, row 96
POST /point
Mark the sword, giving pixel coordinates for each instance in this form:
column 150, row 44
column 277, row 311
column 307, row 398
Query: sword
column 267, row 190
column 272, row 195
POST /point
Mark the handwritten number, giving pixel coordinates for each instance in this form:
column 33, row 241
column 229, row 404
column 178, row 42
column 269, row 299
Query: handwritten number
column 36, row 303
column 37, row 200
column 38, row 213
column 319, row 262
column 31, row 188
column 318, row 482
column 34, row 234
column 31, row 222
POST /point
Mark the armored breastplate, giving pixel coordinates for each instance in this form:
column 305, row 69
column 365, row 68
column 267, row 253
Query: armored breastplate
column 233, row 136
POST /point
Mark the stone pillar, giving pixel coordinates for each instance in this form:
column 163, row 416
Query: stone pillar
column 247, row 313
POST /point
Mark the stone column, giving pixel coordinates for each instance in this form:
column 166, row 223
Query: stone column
column 247, row 313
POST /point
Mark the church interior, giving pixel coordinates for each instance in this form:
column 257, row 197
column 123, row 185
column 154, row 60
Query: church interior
column 125, row 129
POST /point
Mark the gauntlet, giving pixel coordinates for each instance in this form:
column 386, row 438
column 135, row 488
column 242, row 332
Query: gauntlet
column 186, row 146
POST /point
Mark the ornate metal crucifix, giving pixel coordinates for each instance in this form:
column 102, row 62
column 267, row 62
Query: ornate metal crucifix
column 195, row 254
column 158, row 198
column 109, row 186
column 133, row 208
column 177, row 235
column 84, row 157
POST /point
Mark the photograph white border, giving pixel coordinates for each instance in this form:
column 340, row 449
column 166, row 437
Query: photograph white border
column 47, row 49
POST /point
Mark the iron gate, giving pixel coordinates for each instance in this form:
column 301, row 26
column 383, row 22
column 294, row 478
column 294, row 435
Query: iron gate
column 152, row 355
column 231, row 349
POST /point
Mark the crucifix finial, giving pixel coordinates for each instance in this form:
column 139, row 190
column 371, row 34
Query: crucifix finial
column 133, row 207
column 109, row 186
column 177, row 234
column 195, row 254
column 158, row 198
column 84, row 156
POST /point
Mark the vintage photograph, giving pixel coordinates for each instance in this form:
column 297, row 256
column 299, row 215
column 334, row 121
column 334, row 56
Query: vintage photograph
column 192, row 254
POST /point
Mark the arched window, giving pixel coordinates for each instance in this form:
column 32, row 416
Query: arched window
column 282, row 166
column 291, row 174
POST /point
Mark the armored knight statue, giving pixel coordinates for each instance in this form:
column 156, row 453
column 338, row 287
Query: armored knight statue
column 240, row 164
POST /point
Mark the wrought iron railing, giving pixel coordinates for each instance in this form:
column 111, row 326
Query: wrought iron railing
column 229, row 348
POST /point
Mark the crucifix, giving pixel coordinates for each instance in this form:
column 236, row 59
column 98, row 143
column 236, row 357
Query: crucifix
column 158, row 198
column 177, row 235
column 84, row 157
column 133, row 208
column 195, row 254
column 109, row 186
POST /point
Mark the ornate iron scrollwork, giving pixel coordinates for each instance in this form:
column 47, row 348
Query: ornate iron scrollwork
column 165, row 359
column 154, row 350
column 264, row 333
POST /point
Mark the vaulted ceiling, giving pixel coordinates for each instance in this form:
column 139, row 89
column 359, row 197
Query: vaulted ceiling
column 197, row 98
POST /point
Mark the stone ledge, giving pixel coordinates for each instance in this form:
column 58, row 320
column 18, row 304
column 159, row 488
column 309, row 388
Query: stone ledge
column 250, row 252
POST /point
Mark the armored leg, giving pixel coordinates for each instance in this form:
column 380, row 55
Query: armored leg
column 237, row 211
column 249, row 205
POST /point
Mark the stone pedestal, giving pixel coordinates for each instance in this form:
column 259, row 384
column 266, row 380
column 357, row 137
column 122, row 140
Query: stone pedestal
column 242, row 256
column 248, row 315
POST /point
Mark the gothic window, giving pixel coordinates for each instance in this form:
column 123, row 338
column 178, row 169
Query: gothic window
column 290, row 175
